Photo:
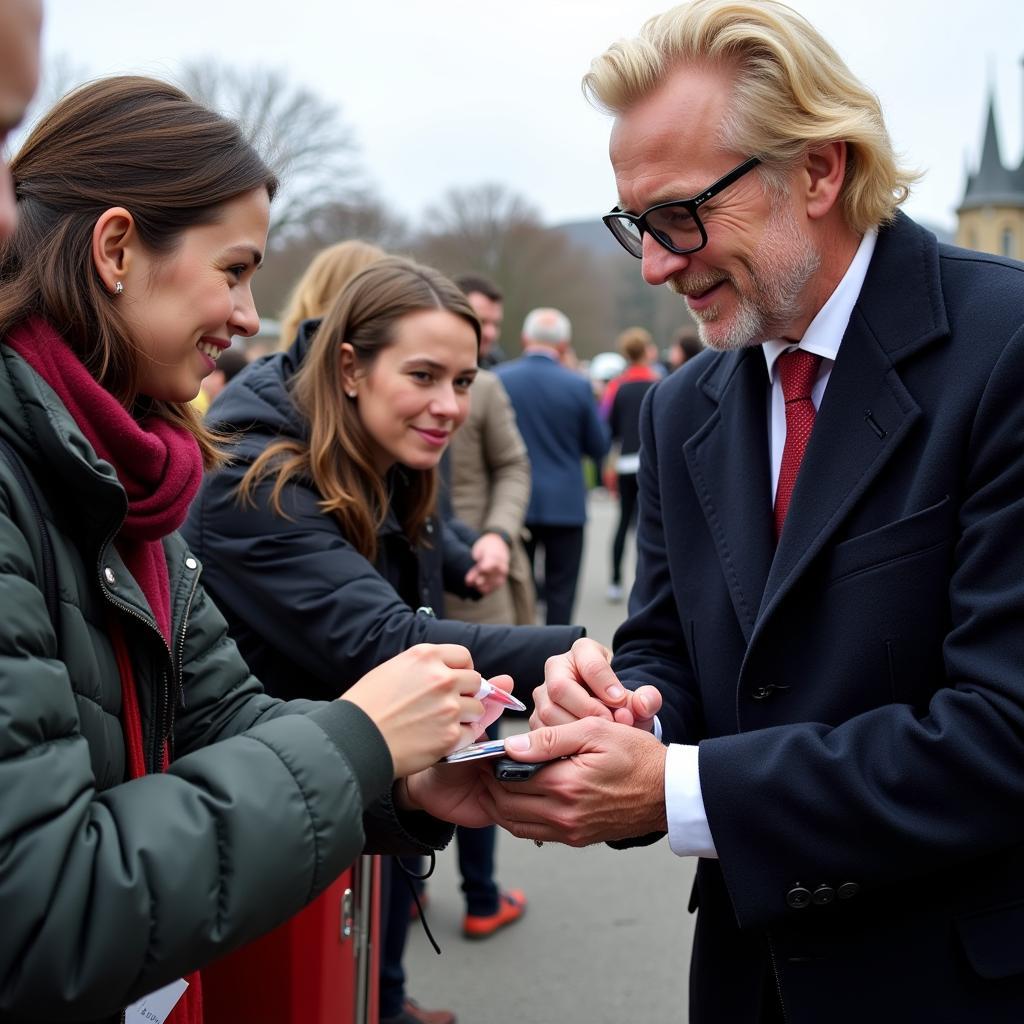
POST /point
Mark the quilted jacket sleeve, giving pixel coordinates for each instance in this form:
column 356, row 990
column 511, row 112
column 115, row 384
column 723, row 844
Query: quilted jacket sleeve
column 296, row 582
column 107, row 895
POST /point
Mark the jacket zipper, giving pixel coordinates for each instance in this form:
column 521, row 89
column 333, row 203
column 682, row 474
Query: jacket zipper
column 177, row 667
column 153, row 766
column 166, row 710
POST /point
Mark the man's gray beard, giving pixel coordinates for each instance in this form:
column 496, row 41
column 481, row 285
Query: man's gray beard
column 779, row 272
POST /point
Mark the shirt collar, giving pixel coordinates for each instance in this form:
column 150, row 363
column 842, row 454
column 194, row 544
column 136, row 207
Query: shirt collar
column 545, row 353
column 826, row 330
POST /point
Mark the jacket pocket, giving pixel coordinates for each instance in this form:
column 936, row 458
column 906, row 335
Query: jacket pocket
column 931, row 527
column 991, row 941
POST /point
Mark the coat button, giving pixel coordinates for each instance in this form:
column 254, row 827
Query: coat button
column 847, row 890
column 108, row 575
column 766, row 690
column 823, row 895
column 798, row 897
column 191, row 563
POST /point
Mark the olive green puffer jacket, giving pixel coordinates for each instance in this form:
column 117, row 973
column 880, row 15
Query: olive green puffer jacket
column 109, row 888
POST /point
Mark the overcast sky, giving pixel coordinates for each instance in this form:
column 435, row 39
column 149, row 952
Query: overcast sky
column 458, row 92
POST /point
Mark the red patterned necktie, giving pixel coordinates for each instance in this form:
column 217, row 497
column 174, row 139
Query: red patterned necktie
column 798, row 371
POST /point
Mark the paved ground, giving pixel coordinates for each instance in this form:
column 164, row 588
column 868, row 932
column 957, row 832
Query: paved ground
column 606, row 938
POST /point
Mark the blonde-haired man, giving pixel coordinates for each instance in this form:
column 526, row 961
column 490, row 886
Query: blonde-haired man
column 825, row 632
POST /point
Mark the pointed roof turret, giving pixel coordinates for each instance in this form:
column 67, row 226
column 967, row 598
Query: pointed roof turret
column 993, row 184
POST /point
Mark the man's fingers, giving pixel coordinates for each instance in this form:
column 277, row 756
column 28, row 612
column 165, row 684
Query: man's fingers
column 565, row 693
column 623, row 716
column 550, row 742
column 523, row 815
column 646, row 703
column 592, row 665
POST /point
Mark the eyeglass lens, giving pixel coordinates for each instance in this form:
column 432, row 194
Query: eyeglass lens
column 675, row 225
column 629, row 234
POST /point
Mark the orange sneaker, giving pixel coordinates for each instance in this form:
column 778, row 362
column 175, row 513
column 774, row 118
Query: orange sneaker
column 511, row 907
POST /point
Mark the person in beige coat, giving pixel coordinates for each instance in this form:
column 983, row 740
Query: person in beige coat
column 490, row 490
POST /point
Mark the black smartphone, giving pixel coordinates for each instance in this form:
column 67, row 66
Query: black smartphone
column 507, row 770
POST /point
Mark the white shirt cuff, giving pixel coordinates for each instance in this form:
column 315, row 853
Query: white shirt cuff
column 689, row 834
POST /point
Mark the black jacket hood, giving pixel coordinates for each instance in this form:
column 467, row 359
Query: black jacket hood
column 259, row 400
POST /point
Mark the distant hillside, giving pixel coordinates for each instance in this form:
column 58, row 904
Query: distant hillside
column 592, row 235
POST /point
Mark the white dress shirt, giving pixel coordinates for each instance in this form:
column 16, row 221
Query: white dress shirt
column 689, row 834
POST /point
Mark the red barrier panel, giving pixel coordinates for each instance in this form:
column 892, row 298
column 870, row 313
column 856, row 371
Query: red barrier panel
column 320, row 967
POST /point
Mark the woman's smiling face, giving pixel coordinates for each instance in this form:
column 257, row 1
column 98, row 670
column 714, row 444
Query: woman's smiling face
column 182, row 309
column 415, row 394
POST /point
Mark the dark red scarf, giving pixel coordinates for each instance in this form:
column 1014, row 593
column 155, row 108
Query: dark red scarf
column 160, row 467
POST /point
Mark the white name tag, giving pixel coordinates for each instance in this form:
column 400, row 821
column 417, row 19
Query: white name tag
column 156, row 1007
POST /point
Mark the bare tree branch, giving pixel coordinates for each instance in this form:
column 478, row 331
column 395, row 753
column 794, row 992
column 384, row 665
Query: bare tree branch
column 301, row 135
column 496, row 232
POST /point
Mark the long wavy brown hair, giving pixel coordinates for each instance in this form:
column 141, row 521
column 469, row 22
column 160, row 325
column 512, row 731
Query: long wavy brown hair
column 336, row 457
column 126, row 141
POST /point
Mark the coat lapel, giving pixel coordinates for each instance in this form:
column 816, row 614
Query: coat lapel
column 866, row 411
column 728, row 463
column 864, row 416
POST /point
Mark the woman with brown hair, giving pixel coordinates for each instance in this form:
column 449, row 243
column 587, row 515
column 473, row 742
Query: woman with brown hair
column 321, row 540
column 142, row 767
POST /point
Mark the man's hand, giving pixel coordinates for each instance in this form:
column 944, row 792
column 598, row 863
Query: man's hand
column 490, row 570
column 581, row 684
column 451, row 792
column 611, row 785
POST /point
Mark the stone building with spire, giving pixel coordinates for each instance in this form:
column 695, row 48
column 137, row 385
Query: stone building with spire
column 991, row 213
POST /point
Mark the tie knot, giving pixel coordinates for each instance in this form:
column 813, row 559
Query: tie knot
column 797, row 372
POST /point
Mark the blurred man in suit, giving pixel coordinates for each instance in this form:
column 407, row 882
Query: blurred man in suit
column 557, row 417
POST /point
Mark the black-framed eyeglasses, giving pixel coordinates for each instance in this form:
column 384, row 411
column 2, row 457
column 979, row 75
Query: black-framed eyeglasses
column 676, row 224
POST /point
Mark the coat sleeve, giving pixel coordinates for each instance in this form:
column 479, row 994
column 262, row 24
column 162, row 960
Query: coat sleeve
column 297, row 582
column 107, row 895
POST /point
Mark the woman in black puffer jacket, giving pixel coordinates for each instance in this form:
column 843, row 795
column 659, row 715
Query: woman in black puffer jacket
column 320, row 538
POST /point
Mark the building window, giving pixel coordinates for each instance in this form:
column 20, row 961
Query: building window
column 1009, row 247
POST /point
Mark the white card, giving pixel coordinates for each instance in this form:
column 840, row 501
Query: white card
column 486, row 748
column 156, row 1007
